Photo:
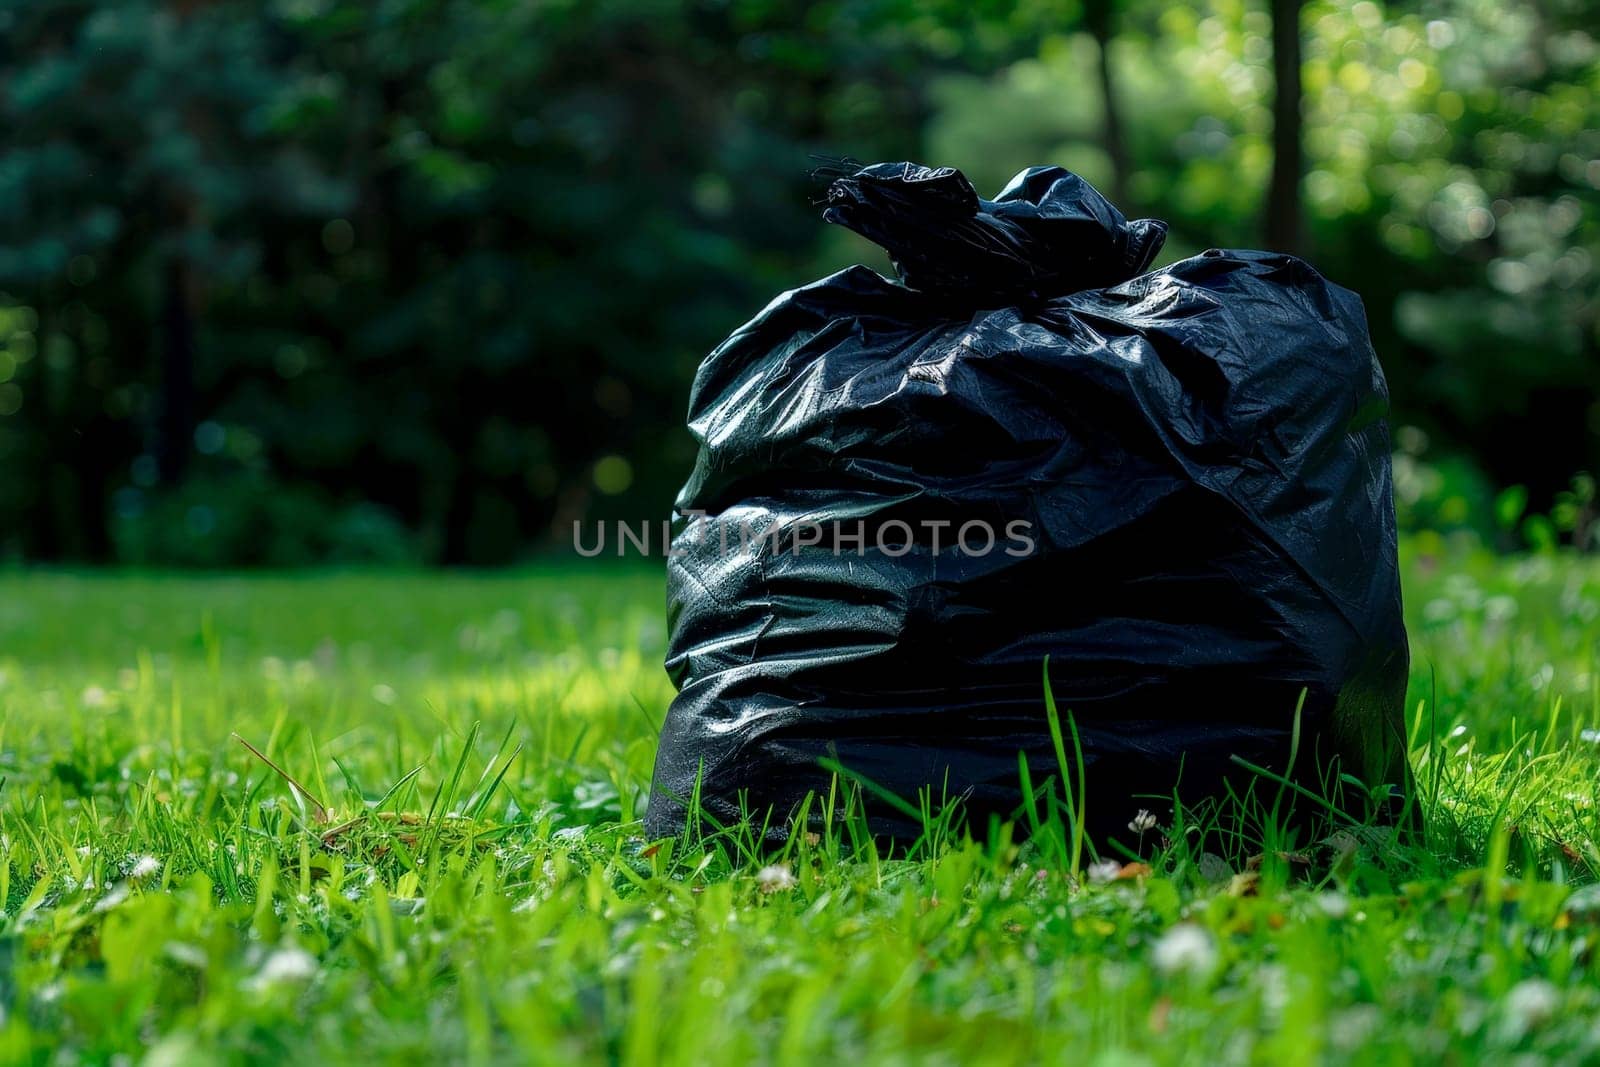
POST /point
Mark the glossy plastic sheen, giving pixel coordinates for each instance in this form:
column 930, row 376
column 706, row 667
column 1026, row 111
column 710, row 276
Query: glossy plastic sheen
column 1200, row 455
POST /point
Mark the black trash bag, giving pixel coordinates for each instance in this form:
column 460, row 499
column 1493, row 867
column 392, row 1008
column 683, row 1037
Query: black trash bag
column 1175, row 485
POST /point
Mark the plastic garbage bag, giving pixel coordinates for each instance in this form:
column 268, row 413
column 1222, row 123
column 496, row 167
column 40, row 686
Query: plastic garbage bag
column 1175, row 485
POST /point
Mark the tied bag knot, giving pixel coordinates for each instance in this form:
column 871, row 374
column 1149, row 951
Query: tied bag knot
column 1047, row 234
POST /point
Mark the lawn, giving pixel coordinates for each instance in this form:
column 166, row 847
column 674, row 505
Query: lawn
column 468, row 884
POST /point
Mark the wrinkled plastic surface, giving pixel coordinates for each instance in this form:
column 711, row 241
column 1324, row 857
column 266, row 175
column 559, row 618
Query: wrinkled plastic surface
column 1201, row 454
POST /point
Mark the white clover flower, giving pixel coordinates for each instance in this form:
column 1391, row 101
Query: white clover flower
column 286, row 965
column 144, row 867
column 775, row 878
column 1274, row 982
column 1104, row 871
column 1350, row 1029
column 1333, row 905
column 94, row 697
column 186, row 954
column 1185, row 949
column 111, row 899
column 1532, row 1002
column 1142, row 822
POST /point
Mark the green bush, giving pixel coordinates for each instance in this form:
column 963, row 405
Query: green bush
column 247, row 519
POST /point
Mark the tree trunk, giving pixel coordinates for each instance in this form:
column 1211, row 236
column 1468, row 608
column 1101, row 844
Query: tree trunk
column 43, row 538
column 175, row 430
column 1284, row 231
column 1097, row 16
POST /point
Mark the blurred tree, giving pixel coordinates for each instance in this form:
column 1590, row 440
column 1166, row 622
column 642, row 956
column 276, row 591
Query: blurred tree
column 1283, row 227
column 1098, row 18
column 279, row 279
column 456, row 257
column 1452, row 181
column 1449, row 177
column 131, row 155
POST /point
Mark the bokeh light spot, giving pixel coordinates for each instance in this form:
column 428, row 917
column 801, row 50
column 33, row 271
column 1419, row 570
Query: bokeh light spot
column 209, row 437
column 613, row 475
column 338, row 236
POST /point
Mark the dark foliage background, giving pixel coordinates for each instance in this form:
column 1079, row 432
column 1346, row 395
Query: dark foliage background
column 425, row 280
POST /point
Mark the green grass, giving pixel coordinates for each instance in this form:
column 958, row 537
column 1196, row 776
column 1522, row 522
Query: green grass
column 476, row 890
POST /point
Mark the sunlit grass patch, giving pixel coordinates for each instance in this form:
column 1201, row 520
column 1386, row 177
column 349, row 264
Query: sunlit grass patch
column 457, row 870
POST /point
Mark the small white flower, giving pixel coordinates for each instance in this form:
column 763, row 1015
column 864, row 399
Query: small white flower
column 1350, row 1029
column 112, row 899
column 286, row 965
column 1185, row 949
column 1532, row 1002
column 1274, row 981
column 94, row 697
column 1142, row 822
column 1333, row 905
column 775, row 878
column 144, row 867
column 1104, row 871
column 187, row 954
